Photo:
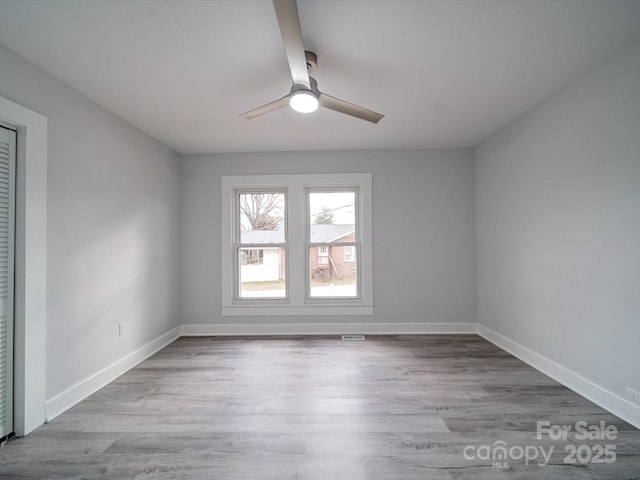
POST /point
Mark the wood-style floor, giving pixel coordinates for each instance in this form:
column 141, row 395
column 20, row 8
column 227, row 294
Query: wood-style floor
column 389, row 408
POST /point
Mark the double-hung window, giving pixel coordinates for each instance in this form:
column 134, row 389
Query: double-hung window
column 297, row 245
column 260, row 244
column 332, row 227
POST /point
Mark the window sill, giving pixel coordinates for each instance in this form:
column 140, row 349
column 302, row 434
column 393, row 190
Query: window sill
column 281, row 310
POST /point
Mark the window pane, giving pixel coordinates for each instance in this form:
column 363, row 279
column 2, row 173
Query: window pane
column 262, row 217
column 332, row 217
column 262, row 272
column 349, row 254
column 331, row 275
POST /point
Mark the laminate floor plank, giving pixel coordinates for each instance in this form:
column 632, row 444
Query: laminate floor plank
column 319, row 408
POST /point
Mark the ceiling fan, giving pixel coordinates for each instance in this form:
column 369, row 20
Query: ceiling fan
column 304, row 95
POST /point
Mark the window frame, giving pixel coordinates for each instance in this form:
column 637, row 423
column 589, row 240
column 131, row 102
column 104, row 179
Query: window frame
column 296, row 302
column 239, row 246
column 328, row 245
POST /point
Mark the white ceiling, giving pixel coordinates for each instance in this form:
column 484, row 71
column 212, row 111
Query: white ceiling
column 445, row 73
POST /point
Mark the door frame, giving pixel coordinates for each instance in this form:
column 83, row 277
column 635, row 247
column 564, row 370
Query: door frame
column 30, row 308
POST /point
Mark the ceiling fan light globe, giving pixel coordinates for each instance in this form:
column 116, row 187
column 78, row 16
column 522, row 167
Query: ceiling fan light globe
column 304, row 101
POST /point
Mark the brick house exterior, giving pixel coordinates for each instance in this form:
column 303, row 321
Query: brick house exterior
column 333, row 261
column 326, row 262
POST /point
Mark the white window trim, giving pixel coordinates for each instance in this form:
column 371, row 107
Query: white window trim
column 296, row 303
column 236, row 234
column 328, row 245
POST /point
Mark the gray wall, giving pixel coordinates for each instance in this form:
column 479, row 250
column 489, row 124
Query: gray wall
column 423, row 230
column 112, row 228
column 558, row 227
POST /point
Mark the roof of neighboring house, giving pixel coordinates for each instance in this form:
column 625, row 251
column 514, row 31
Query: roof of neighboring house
column 262, row 236
column 330, row 233
column 319, row 234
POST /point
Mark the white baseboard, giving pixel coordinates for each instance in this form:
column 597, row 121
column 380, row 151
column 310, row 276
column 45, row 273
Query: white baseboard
column 327, row 329
column 86, row 387
column 597, row 394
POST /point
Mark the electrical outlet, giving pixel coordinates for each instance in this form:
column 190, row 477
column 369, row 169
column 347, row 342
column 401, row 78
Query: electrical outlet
column 122, row 328
column 633, row 395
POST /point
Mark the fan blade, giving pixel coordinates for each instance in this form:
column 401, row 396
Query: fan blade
column 269, row 107
column 289, row 22
column 332, row 103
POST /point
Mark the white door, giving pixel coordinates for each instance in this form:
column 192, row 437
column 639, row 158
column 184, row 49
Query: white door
column 7, row 219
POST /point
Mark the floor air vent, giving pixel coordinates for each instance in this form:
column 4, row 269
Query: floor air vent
column 352, row 338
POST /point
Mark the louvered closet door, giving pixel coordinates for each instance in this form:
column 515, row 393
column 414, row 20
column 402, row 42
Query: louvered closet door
column 7, row 213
